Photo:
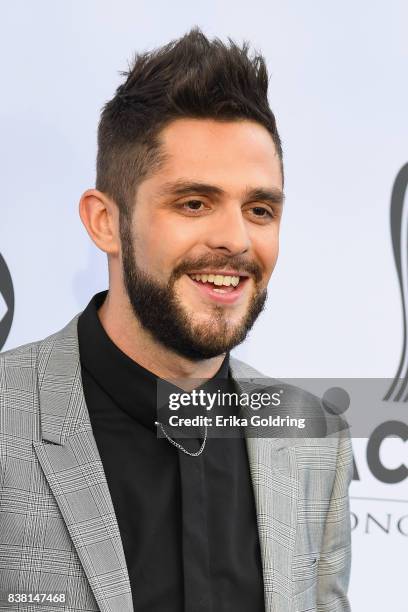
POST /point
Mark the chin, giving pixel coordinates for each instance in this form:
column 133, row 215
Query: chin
column 213, row 319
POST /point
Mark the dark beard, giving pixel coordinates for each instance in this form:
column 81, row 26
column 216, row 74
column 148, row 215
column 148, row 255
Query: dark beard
column 160, row 311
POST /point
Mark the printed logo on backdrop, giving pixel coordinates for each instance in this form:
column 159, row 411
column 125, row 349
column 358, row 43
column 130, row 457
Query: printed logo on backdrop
column 389, row 515
column 6, row 302
column 398, row 390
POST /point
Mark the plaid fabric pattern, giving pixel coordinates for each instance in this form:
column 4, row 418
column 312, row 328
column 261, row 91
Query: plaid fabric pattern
column 58, row 530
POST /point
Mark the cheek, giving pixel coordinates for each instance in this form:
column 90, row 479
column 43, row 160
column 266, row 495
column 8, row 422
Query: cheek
column 160, row 245
column 152, row 254
column 267, row 249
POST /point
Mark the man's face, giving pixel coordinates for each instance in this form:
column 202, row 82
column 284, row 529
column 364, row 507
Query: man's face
column 202, row 241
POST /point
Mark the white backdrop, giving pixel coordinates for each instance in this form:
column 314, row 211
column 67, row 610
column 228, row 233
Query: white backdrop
column 339, row 90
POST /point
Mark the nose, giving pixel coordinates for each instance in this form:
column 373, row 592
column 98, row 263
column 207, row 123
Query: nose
column 228, row 231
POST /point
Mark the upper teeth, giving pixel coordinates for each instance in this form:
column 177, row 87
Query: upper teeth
column 217, row 279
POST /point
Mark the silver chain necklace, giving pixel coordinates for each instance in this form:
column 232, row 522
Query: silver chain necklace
column 177, row 445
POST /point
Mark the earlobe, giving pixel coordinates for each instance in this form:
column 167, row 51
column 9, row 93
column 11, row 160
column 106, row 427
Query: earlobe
column 99, row 216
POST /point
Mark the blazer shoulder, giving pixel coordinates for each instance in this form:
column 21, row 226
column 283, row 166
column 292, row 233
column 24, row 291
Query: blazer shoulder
column 19, row 366
column 240, row 369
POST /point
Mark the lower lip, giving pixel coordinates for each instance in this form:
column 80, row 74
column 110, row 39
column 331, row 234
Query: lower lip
column 230, row 297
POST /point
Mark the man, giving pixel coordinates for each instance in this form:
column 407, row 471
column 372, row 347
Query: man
column 99, row 510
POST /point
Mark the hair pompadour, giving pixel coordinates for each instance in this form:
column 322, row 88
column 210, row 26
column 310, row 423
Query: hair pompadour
column 191, row 77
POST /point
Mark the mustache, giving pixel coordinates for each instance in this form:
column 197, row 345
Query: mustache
column 210, row 261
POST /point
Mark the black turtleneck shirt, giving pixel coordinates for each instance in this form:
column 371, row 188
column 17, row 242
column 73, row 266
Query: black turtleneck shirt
column 188, row 524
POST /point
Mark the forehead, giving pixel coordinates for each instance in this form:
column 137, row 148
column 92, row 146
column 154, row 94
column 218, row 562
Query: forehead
column 223, row 152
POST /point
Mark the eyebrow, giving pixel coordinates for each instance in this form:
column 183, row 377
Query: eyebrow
column 272, row 195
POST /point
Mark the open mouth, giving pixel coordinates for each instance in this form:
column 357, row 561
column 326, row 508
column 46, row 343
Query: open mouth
column 220, row 287
column 220, row 283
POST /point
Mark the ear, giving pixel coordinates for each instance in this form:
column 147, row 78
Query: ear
column 100, row 216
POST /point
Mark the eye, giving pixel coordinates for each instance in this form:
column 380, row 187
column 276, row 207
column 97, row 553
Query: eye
column 192, row 205
column 262, row 212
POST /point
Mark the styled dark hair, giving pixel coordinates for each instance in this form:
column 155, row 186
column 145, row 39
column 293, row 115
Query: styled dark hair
column 190, row 77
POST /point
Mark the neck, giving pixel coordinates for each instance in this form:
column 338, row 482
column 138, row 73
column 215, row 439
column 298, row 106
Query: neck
column 124, row 329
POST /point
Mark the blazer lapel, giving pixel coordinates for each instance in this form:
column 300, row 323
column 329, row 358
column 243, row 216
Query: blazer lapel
column 273, row 474
column 69, row 457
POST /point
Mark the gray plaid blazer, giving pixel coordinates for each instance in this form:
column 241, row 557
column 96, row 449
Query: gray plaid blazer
column 58, row 529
